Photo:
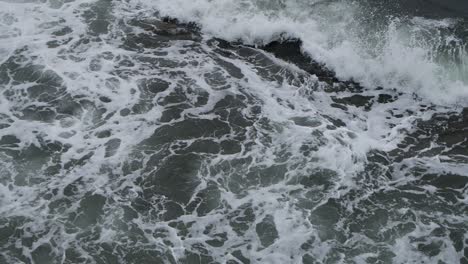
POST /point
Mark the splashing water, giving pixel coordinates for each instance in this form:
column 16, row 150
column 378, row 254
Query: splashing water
column 127, row 137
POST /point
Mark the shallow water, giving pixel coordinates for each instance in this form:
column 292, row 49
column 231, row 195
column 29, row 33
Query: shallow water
column 220, row 137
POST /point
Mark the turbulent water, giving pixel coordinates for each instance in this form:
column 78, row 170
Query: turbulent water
column 233, row 131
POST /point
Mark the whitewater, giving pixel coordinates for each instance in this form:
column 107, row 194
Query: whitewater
column 246, row 131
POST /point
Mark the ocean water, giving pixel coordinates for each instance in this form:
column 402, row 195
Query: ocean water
column 233, row 131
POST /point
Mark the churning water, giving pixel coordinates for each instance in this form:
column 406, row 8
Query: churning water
column 233, row 131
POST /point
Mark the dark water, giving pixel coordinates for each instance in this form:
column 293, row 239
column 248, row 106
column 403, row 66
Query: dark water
column 429, row 8
column 130, row 137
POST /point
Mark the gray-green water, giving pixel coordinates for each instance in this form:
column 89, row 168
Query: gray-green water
column 126, row 137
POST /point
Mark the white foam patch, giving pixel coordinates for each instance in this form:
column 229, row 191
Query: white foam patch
column 400, row 56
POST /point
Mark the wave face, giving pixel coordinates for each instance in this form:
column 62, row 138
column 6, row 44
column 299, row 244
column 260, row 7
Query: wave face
column 249, row 131
column 372, row 42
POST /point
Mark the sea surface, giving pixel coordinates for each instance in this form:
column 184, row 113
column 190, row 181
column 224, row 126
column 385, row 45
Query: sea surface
column 233, row 131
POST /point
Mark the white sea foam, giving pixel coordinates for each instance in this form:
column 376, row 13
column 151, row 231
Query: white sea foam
column 399, row 55
column 89, row 68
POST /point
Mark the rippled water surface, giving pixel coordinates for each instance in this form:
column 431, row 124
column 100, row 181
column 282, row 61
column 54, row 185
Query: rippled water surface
column 249, row 131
